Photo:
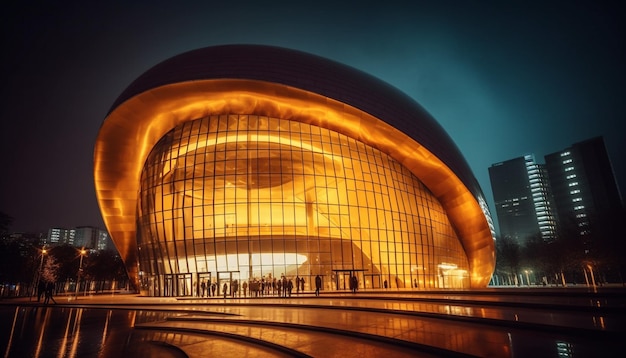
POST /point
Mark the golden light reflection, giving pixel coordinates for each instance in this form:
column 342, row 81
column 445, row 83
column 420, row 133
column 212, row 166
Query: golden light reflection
column 76, row 333
column 132, row 129
column 71, row 335
column 12, row 334
column 599, row 322
column 105, row 330
column 42, row 331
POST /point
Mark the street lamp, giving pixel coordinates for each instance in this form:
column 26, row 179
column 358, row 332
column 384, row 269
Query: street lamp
column 83, row 252
column 37, row 288
column 43, row 253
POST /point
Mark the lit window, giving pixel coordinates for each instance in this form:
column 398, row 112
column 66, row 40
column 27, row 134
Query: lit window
column 571, row 176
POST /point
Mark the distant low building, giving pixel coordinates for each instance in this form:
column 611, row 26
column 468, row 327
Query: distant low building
column 59, row 236
column 88, row 237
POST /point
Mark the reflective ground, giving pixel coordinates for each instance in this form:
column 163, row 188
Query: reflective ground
column 484, row 324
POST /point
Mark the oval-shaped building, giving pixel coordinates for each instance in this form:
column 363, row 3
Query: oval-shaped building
column 249, row 163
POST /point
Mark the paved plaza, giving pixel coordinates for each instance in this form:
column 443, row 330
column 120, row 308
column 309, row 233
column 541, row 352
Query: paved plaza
column 487, row 323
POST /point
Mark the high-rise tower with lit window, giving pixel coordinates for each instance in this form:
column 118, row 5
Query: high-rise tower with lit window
column 521, row 196
column 583, row 185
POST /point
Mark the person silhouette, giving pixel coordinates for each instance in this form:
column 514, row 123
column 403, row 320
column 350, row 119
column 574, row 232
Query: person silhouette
column 49, row 293
column 318, row 285
column 225, row 289
column 41, row 289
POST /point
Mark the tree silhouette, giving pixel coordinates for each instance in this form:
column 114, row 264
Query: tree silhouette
column 68, row 258
column 508, row 258
column 104, row 266
column 18, row 261
column 50, row 270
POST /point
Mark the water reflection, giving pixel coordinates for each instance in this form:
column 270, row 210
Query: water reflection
column 57, row 331
column 70, row 332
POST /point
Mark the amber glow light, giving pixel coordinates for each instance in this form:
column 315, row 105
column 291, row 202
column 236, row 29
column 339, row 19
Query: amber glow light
column 131, row 130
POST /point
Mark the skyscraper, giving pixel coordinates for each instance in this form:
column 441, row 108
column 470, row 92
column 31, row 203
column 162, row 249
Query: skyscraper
column 583, row 185
column 521, row 196
column 572, row 192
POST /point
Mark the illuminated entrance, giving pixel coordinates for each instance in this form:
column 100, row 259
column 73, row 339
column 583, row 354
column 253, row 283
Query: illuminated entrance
column 228, row 281
column 203, row 277
column 343, row 277
column 178, row 285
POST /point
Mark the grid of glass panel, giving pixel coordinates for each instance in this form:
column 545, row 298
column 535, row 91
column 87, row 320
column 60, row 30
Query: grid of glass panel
column 255, row 198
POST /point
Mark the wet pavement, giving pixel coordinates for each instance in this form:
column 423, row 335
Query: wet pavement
column 480, row 324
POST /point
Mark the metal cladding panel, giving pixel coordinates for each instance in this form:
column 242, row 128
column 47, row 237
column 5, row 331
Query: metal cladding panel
column 315, row 74
column 282, row 83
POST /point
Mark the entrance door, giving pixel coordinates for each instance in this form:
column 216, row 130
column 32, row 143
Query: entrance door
column 342, row 280
column 168, row 286
column 183, row 285
column 206, row 278
column 228, row 278
column 179, row 284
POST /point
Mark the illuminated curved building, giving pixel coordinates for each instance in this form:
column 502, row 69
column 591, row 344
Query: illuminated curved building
column 247, row 162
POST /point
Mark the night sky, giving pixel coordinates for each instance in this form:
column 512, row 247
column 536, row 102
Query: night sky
column 504, row 78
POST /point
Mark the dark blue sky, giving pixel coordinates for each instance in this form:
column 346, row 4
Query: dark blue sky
column 504, row 78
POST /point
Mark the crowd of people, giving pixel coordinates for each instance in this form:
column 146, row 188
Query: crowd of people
column 265, row 287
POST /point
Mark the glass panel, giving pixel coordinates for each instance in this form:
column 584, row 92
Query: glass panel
column 263, row 196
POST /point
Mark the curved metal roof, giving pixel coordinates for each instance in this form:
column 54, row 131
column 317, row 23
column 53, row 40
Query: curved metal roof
column 314, row 74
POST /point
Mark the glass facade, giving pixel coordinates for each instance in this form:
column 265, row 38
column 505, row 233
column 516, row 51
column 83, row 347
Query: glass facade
column 247, row 198
column 240, row 163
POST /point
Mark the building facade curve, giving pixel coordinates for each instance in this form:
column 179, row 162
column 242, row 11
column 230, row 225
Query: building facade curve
column 248, row 163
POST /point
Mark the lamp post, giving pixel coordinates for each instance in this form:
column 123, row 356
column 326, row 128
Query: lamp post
column 36, row 288
column 80, row 269
column 43, row 253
